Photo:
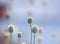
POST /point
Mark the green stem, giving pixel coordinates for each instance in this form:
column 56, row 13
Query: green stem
column 34, row 40
column 31, row 34
column 10, row 38
column 19, row 41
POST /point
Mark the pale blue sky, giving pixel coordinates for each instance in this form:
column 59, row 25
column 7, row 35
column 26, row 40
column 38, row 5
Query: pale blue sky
column 50, row 21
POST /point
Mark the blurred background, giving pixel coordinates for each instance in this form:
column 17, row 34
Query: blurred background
column 47, row 16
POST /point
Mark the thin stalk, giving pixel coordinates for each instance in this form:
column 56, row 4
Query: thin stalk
column 19, row 41
column 10, row 38
column 31, row 34
column 34, row 40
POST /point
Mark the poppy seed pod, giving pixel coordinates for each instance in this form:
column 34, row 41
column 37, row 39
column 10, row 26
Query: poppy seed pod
column 30, row 20
column 19, row 34
column 11, row 28
column 34, row 29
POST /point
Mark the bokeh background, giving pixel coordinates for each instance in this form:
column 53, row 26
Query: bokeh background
column 48, row 18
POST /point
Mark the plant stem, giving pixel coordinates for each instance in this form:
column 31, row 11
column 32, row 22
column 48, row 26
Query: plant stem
column 31, row 34
column 10, row 38
column 19, row 41
column 34, row 40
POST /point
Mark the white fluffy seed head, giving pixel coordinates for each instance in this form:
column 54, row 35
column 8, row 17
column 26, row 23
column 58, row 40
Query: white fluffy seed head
column 11, row 25
column 30, row 20
column 35, row 26
column 15, row 30
column 34, row 29
column 30, row 17
column 20, row 33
